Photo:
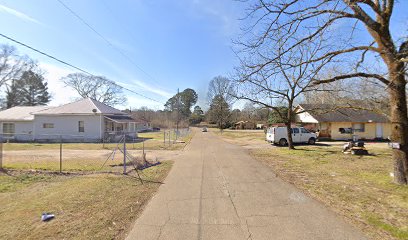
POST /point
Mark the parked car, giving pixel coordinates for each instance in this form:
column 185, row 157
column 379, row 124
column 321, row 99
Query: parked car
column 278, row 135
column 204, row 129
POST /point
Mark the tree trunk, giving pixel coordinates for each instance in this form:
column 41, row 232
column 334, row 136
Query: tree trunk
column 399, row 121
column 290, row 140
column 289, row 127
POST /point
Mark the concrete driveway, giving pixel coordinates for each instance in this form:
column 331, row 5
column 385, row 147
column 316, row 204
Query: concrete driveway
column 217, row 191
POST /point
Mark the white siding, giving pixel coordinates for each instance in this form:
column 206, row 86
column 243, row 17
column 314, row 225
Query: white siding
column 23, row 130
column 66, row 126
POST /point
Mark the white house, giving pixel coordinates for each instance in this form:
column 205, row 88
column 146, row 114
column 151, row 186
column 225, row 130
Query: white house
column 18, row 121
column 85, row 120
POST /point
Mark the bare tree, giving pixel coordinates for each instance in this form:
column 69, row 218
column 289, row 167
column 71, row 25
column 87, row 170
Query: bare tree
column 221, row 86
column 340, row 21
column 12, row 65
column 97, row 87
column 144, row 114
column 220, row 96
column 248, row 111
column 281, row 80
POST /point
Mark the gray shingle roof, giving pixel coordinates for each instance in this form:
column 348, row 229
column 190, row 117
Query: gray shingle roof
column 329, row 113
column 86, row 106
column 21, row 113
column 120, row 119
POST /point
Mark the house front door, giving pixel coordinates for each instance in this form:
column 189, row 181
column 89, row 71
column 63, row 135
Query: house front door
column 379, row 130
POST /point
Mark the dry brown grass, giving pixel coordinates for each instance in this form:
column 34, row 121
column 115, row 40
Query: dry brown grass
column 85, row 156
column 148, row 140
column 358, row 187
column 100, row 206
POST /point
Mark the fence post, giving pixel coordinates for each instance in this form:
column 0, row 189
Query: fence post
column 164, row 138
column 60, row 154
column 1, row 153
column 124, row 154
column 169, row 138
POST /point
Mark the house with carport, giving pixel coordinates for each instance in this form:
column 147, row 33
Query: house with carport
column 86, row 120
column 338, row 123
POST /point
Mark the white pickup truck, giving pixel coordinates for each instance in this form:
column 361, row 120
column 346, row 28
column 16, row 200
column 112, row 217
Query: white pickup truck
column 278, row 135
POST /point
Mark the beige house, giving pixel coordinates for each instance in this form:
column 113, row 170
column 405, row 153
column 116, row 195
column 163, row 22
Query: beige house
column 343, row 123
column 245, row 125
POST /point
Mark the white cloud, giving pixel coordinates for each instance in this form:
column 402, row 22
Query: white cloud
column 60, row 93
column 18, row 14
column 124, row 74
column 152, row 89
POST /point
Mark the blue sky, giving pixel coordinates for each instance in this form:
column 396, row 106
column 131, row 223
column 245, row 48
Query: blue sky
column 179, row 43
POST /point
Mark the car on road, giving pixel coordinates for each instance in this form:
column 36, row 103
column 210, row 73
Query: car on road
column 204, row 129
column 278, row 135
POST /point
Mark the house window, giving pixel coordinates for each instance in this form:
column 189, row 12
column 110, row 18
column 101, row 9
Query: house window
column 358, row 127
column 8, row 129
column 48, row 125
column 346, row 130
column 81, row 126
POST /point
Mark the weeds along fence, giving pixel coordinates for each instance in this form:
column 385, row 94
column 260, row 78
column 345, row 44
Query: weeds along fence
column 75, row 153
column 174, row 136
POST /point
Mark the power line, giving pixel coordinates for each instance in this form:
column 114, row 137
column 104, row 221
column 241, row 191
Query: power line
column 105, row 39
column 72, row 66
column 45, row 54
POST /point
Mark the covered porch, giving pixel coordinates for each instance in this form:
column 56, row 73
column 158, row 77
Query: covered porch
column 118, row 125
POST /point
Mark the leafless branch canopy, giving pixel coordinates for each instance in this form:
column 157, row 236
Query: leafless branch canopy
column 12, row 65
column 298, row 22
column 220, row 86
column 97, row 87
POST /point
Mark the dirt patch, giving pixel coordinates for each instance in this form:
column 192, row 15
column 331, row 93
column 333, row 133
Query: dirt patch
column 77, row 160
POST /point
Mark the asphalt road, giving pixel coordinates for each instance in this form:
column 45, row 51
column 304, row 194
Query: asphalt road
column 215, row 190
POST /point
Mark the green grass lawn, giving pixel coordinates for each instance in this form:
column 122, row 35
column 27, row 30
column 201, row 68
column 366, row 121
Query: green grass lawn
column 358, row 187
column 98, row 206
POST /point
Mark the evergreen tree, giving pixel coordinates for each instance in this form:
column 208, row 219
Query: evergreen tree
column 219, row 111
column 197, row 116
column 182, row 102
column 11, row 95
column 30, row 90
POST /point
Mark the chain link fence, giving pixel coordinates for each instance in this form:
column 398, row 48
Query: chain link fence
column 78, row 154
